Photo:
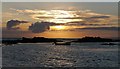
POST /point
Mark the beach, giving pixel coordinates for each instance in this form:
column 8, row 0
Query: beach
column 49, row 55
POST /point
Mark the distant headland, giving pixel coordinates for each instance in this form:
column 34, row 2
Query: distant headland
column 42, row 40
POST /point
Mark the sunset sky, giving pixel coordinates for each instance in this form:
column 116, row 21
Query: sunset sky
column 59, row 19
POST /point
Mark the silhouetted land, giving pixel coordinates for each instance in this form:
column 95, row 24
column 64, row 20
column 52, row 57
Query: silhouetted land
column 95, row 39
column 29, row 40
column 42, row 39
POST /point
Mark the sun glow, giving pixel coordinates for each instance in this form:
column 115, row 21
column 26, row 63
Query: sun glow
column 59, row 27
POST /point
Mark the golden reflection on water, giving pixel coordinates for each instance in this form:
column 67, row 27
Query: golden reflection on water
column 58, row 56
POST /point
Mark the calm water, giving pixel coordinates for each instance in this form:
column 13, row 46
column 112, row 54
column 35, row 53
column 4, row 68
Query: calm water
column 48, row 55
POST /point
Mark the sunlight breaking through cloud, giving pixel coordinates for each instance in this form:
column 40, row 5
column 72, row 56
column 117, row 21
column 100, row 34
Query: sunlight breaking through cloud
column 69, row 19
column 65, row 16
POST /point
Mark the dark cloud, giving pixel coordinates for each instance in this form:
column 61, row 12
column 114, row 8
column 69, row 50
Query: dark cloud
column 39, row 27
column 84, row 23
column 72, row 18
column 100, row 28
column 92, row 17
column 12, row 23
column 88, row 21
column 44, row 17
column 99, row 17
column 95, row 19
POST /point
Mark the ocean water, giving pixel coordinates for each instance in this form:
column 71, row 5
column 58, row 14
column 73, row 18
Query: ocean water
column 49, row 55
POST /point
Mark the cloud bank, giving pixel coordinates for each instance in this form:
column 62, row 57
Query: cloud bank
column 12, row 23
column 71, row 18
column 100, row 28
column 40, row 27
column 65, row 16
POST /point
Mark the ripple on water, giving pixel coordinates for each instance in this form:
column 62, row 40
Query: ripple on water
column 59, row 61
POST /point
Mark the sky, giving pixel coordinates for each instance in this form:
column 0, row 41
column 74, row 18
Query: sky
column 60, row 0
column 59, row 19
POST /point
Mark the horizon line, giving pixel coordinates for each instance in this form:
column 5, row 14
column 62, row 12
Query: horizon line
column 58, row 37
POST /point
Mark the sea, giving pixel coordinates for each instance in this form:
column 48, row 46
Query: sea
column 87, row 54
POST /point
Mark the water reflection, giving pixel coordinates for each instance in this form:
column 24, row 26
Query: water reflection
column 48, row 55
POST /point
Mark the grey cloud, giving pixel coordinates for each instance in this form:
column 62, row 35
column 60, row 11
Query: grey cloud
column 40, row 27
column 84, row 23
column 43, row 17
column 92, row 20
column 99, row 17
column 100, row 28
column 12, row 23
column 28, row 11
column 75, row 21
column 95, row 18
column 72, row 18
